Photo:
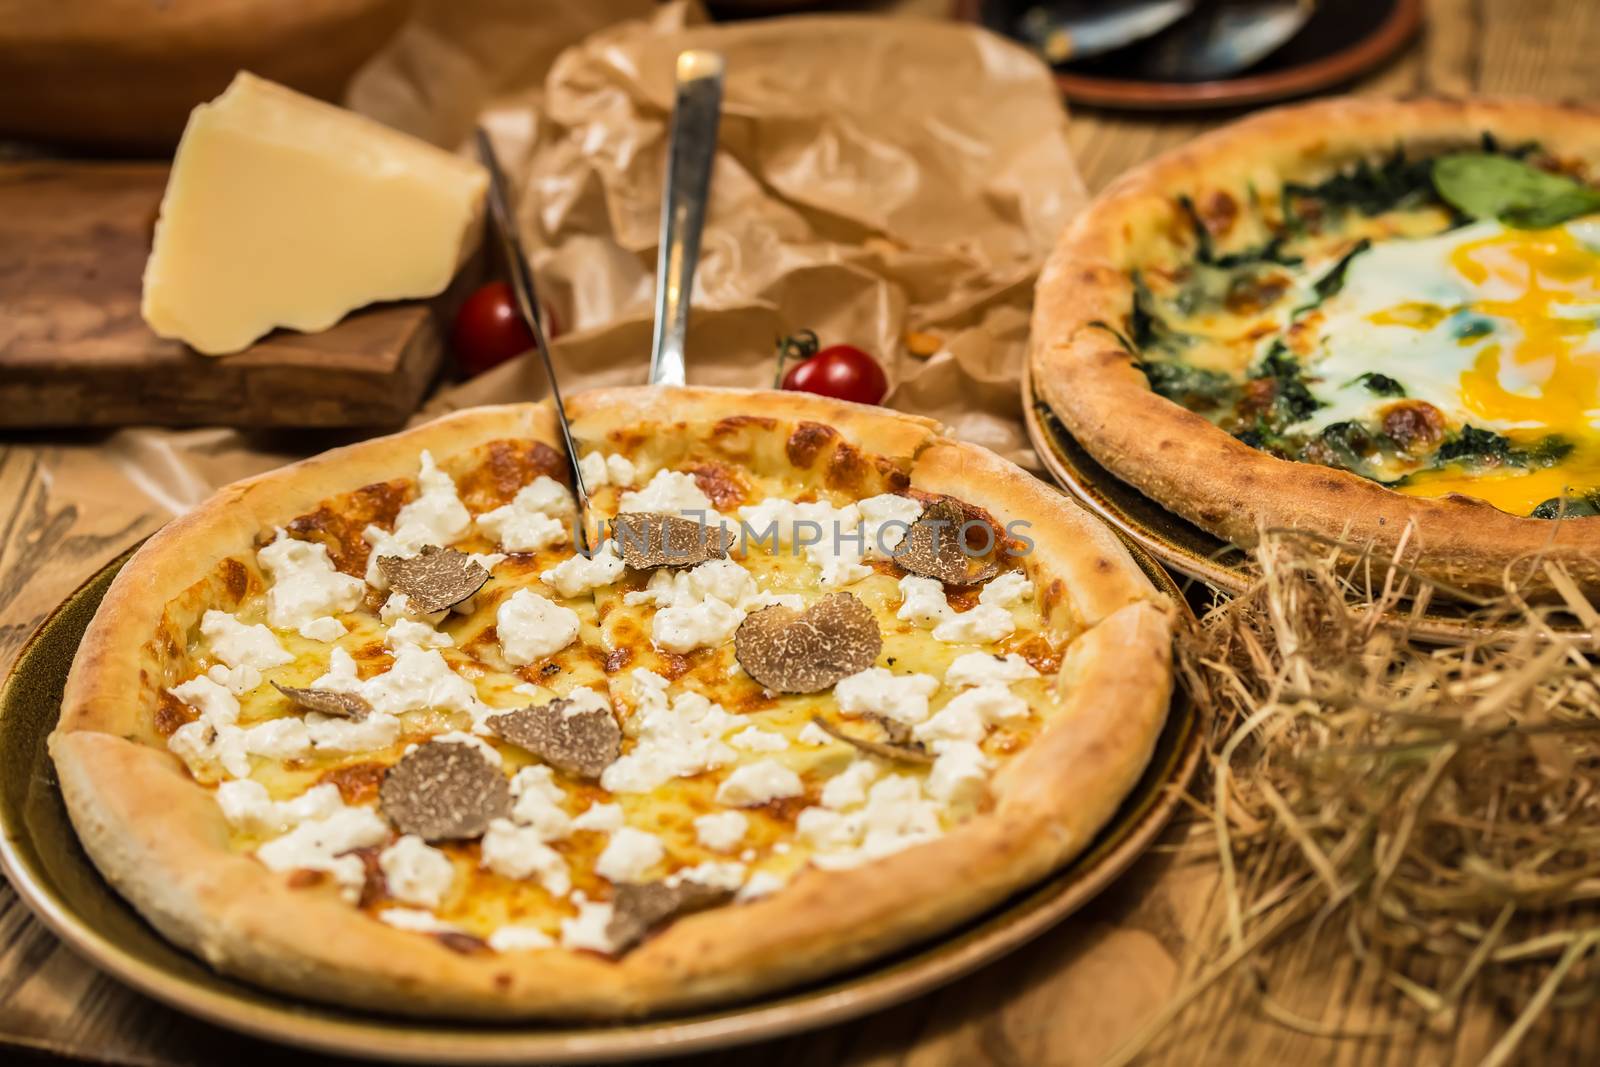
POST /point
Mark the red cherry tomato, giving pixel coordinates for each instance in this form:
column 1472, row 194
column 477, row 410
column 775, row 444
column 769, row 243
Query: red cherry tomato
column 489, row 329
column 843, row 372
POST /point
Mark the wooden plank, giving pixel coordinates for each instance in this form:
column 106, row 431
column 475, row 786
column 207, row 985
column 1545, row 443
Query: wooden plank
column 74, row 351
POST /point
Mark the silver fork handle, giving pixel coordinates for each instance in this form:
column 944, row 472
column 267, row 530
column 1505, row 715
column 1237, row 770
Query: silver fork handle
column 695, row 112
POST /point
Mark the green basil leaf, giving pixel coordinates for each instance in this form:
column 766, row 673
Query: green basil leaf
column 1499, row 187
column 1555, row 211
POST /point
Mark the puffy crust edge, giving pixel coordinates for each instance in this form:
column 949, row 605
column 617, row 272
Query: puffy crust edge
column 1199, row 471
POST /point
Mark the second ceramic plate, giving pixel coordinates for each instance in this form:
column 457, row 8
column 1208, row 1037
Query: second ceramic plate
column 41, row 855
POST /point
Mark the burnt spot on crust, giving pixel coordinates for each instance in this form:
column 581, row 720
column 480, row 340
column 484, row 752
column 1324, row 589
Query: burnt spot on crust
column 735, row 423
column 640, row 909
column 357, row 782
column 1253, row 294
column 444, row 791
column 672, row 666
column 172, row 713
column 235, row 578
column 847, row 468
column 1416, row 425
column 962, row 597
column 1040, row 654
column 807, row 442
column 337, row 524
column 722, row 484
column 808, row 651
column 895, row 478
column 504, row 467
column 1219, row 212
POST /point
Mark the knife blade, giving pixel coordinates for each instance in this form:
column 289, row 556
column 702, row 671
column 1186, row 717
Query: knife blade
column 528, row 305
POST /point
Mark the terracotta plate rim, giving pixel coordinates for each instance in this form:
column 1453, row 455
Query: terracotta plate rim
column 323, row 1028
column 1396, row 30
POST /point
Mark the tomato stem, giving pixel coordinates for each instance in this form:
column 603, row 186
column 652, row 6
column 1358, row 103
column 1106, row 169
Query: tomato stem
column 800, row 345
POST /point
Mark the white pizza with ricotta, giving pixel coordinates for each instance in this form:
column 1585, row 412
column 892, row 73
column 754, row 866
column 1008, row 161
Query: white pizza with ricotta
column 377, row 729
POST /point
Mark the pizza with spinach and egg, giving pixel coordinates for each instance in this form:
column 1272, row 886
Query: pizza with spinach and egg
column 370, row 729
column 1376, row 320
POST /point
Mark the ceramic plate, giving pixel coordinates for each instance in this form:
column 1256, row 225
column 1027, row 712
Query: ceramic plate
column 1343, row 39
column 1192, row 551
column 41, row 855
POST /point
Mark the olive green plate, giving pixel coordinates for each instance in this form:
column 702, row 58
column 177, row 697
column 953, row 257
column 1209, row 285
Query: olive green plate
column 41, row 856
column 1192, row 551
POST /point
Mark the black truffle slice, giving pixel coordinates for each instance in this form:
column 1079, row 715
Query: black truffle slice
column 650, row 539
column 808, row 651
column 935, row 547
column 444, row 791
column 639, row 909
column 581, row 742
column 435, row 578
column 898, row 747
column 327, row 702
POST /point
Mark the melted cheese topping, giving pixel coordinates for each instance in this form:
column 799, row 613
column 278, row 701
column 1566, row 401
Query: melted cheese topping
column 1489, row 337
column 549, row 870
column 1494, row 327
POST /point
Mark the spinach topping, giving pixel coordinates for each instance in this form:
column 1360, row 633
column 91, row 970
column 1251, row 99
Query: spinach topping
column 1470, row 328
column 1547, row 452
column 1346, row 444
column 1372, row 188
column 1581, row 507
column 1333, row 281
column 1485, row 448
column 1488, row 186
column 1472, row 445
column 1194, row 387
column 1292, row 401
column 1380, row 384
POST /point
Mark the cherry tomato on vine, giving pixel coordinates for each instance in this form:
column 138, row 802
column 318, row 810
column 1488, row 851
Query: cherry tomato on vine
column 843, row 372
column 489, row 329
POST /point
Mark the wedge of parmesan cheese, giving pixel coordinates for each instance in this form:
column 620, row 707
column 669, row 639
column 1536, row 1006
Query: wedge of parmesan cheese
column 282, row 210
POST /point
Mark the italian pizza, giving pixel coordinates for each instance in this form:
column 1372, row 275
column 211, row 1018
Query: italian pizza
column 395, row 728
column 1369, row 318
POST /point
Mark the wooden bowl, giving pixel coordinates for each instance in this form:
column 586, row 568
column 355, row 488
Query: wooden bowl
column 124, row 74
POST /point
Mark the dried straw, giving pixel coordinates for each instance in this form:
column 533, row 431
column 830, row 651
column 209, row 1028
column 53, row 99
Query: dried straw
column 1439, row 803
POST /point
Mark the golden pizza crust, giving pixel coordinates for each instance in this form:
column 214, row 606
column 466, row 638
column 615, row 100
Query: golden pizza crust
column 1081, row 370
column 161, row 840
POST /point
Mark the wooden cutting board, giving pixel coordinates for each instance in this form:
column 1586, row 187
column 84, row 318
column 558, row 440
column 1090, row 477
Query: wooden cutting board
column 74, row 351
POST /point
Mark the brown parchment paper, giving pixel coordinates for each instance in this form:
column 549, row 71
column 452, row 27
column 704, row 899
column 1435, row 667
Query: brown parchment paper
column 874, row 176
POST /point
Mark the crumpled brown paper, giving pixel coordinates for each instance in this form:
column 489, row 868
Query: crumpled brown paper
column 875, row 175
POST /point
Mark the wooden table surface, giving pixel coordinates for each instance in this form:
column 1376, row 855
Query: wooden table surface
column 1070, row 997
